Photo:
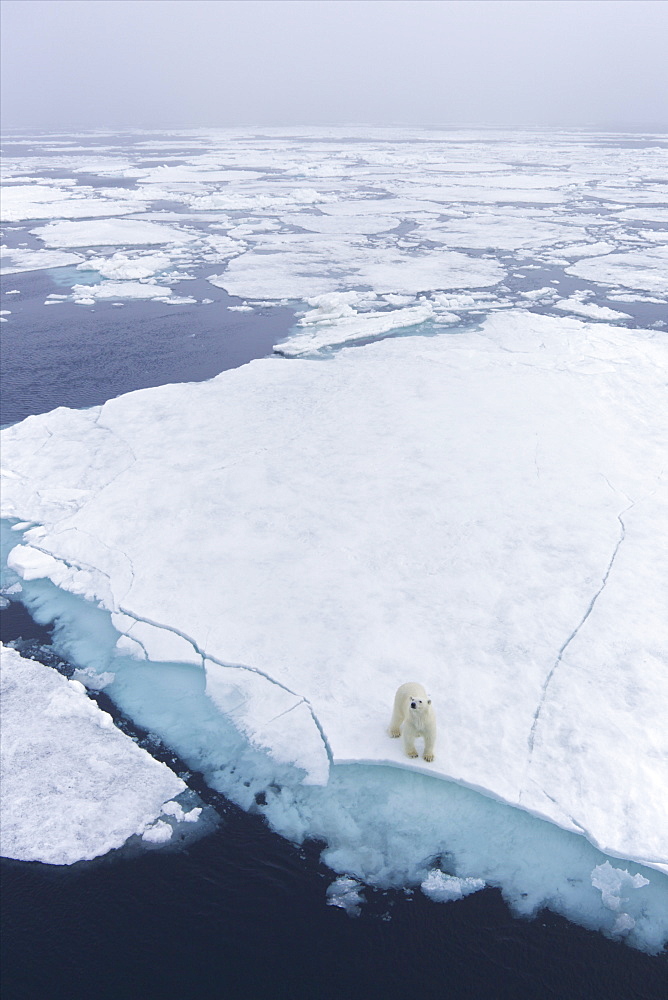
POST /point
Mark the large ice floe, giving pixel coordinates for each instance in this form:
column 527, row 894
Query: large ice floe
column 261, row 559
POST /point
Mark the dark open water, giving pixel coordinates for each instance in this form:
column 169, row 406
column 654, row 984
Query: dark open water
column 241, row 914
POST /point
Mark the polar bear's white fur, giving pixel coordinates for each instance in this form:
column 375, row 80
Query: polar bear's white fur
column 413, row 716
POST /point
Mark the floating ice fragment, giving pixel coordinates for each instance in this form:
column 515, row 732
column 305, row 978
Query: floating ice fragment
column 158, row 833
column 119, row 289
column 346, row 893
column 576, row 305
column 123, row 267
column 176, row 810
column 444, row 888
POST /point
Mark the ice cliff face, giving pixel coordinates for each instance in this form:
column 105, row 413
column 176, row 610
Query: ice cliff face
column 480, row 512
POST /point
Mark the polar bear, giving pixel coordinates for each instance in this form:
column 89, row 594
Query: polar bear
column 413, row 716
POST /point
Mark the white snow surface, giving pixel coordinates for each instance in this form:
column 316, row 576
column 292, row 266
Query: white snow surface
column 73, row 785
column 483, row 513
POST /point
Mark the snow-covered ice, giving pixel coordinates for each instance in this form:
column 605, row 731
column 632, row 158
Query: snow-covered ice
column 17, row 260
column 120, row 290
column 73, row 785
column 580, row 307
column 38, row 201
column 646, row 270
column 108, row 232
column 120, row 266
column 479, row 512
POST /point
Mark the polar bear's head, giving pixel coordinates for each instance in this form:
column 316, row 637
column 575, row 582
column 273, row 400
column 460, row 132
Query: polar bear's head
column 419, row 705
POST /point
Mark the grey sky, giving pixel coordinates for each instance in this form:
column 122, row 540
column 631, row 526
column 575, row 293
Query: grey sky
column 157, row 63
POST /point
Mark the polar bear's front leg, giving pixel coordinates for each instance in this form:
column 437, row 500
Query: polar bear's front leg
column 409, row 742
column 428, row 754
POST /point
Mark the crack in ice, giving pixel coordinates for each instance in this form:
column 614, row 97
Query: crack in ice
column 573, row 634
column 241, row 666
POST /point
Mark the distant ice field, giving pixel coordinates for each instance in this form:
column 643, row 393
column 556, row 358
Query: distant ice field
column 288, row 215
column 477, row 502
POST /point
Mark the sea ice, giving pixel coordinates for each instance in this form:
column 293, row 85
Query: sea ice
column 346, row 893
column 73, row 785
column 37, row 201
column 120, row 290
column 309, row 266
column 18, row 260
column 483, row 230
column 346, row 225
column 646, row 269
column 334, row 320
column 444, row 888
column 481, row 513
column 576, row 304
column 122, row 267
column 107, row 232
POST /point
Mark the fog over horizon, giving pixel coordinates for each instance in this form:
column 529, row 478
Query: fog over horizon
column 192, row 63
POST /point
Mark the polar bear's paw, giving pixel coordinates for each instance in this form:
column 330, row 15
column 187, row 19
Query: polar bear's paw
column 394, row 733
column 428, row 757
column 411, row 753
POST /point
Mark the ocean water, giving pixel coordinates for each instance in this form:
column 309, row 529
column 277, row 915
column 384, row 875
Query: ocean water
column 242, row 913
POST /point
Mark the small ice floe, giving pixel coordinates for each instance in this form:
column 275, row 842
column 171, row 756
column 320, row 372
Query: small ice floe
column 121, row 266
column 89, row 294
column 346, row 893
column 578, row 305
column 176, row 810
column 158, row 833
column 73, row 785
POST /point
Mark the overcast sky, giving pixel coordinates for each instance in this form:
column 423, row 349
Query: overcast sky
column 157, row 63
